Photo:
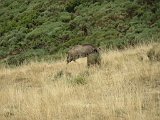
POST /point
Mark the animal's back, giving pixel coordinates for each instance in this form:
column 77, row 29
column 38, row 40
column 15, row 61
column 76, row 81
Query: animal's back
column 75, row 49
column 84, row 47
column 90, row 48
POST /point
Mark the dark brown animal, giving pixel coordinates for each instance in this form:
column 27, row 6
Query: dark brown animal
column 80, row 51
column 94, row 59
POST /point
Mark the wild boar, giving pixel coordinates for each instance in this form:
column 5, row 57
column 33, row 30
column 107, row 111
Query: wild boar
column 80, row 51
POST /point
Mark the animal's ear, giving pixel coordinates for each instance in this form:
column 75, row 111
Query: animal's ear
column 96, row 50
column 99, row 48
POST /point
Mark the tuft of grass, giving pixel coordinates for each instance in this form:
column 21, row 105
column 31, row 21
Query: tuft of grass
column 59, row 74
column 79, row 80
column 154, row 53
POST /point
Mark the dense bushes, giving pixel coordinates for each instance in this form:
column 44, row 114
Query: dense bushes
column 25, row 56
column 72, row 4
column 54, row 26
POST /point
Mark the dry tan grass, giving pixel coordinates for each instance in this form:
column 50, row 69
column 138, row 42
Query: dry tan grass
column 125, row 87
column 154, row 53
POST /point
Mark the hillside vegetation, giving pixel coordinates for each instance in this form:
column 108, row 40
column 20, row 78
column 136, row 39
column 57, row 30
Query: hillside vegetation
column 125, row 87
column 30, row 28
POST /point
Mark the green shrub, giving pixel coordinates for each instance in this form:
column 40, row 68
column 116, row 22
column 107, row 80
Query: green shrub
column 116, row 43
column 71, row 4
column 150, row 2
column 65, row 17
column 15, row 60
column 131, row 8
column 3, row 54
column 25, row 56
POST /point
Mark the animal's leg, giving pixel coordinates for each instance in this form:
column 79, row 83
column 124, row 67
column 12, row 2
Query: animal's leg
column 88, row 62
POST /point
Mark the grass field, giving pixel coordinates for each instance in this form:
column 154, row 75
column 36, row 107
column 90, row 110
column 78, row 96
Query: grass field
column 125, row 87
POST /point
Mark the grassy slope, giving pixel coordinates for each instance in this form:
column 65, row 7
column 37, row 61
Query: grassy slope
column 38, row 27
column 125, row 87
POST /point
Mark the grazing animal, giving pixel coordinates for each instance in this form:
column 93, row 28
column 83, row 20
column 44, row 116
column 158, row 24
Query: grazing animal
column 80, row 51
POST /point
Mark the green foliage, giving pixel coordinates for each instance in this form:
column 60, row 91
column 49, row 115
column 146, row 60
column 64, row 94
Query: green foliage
column 65, row 17
column 15, row 60
column 3, row 54
column 132, row 9
column 25, row 57
column 71, row 4
column 150, row 2
column 55, row 25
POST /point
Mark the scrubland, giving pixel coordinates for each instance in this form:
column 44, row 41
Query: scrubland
column 40, row 28
column 125, row 87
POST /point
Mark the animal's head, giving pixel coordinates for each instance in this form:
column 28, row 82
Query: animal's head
column 69, row 58
column 97, row 50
